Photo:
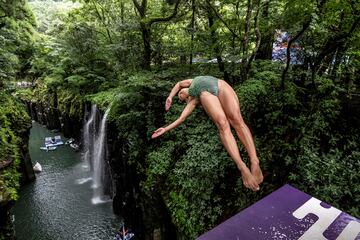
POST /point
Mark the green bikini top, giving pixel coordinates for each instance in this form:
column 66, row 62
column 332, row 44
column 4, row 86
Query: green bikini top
column 204, row 83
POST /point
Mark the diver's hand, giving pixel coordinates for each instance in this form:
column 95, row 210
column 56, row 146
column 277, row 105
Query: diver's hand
column 158, row 132
column 168, row 103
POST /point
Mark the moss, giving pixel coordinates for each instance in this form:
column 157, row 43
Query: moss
column 14, row 123
column 105, row 98
column 70, row 103
column 25, row 94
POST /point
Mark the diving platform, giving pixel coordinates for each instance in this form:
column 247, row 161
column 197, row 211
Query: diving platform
column 287, row 214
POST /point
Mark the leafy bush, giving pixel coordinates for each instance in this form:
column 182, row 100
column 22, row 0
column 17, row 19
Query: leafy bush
column 14, row 121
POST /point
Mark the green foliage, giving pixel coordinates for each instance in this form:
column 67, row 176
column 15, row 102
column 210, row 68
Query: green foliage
column 44, row 57
column 53, row 81
column 16, row 29
column 299, row 133
column 24, row 94
column 14, row 121
column 136, row 98
column 50, row 14
column 92, row 52
column 105, row 98
column 329, row 176
column 70, row 103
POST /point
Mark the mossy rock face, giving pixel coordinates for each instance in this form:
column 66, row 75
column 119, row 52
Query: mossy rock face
column 14, row 123
column 2, row 192
column 6, row 227
column 4, row 196
column 14, row 127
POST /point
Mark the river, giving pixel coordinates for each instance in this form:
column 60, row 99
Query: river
column 57, row 205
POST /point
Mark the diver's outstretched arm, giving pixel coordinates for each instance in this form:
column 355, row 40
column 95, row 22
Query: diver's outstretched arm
column 189, row 108
column 175, row 90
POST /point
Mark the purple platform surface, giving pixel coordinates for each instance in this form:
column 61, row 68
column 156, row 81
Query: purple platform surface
column 287, row 214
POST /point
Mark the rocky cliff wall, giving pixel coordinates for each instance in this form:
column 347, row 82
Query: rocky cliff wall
column 15, row 163
column 147, row 215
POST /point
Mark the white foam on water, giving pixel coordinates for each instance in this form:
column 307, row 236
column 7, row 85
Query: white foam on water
column 99, row 200
column 83, row 180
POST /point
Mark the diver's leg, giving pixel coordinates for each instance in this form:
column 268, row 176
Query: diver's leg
column 213, row 108
column 230, row 103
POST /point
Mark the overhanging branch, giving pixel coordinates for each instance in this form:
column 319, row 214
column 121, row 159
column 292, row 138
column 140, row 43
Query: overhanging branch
column 168, row 18
column 222, row 20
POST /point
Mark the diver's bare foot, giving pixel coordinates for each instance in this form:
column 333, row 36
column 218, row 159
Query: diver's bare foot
column 256, row 172
column 249, row 180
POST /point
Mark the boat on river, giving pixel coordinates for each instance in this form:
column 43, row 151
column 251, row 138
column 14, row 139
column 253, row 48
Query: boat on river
column 69, row 141
column 123, row 234
column 74, row 146
column 48, row 148
column 37, row 167
column 53, row 141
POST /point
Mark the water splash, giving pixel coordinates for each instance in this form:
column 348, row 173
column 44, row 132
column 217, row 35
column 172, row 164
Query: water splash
column 83, row 180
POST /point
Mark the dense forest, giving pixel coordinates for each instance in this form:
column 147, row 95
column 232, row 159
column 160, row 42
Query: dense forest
column 295, row 66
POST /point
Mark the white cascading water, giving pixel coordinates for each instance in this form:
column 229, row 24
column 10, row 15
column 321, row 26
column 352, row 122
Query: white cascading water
column 99, row 162
column 89, row 137
column 89, row 134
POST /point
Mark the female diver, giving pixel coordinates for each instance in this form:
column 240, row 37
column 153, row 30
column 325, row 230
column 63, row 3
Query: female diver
column 221, row 103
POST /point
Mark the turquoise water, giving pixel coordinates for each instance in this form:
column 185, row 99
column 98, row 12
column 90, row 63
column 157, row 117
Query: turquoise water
column 57, row 205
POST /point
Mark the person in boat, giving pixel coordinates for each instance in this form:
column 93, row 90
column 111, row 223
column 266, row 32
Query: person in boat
column 221, row 104
column 123, row 234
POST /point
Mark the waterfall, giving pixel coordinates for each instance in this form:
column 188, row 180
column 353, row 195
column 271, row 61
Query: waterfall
column 98, row 158
column 89, row 136
column 94, row 145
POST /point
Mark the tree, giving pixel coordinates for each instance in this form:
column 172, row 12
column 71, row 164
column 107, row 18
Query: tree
column 146, row 23
column 16, row 36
